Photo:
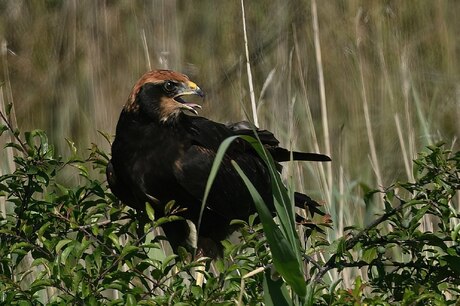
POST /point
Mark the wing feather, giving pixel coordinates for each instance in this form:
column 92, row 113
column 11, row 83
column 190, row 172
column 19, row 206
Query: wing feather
column 229, row 196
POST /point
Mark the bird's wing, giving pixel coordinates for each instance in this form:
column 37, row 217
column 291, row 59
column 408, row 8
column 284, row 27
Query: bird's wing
column 193, row 168
column 246, row 128
column 229, row 195
column 270, row 142
column 124, row 194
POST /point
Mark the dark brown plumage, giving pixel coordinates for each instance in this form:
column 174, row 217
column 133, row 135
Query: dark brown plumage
column 160, row 154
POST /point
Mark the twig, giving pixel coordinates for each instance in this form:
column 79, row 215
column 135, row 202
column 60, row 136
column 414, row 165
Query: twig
column 11, row 129
column 93, row 224
column 254, row 272
column 312, row 261
column 4, row 52
column 331, row 264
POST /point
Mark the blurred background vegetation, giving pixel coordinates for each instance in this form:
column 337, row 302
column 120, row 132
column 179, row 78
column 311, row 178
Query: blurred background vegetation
column 391, row 76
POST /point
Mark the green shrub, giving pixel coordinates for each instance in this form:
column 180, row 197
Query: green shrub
column 411, row 252
column 69, row 241
column 77, row 244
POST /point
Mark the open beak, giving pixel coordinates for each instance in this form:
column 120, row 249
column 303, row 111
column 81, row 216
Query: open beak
column 189, row 89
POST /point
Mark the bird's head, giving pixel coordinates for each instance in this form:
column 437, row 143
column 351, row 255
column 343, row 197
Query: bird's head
column 160, row 95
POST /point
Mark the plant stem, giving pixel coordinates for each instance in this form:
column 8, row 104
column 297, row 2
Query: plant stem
column 248, row 67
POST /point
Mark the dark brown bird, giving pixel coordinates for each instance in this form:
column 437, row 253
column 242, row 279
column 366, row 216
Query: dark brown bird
column 160, row 154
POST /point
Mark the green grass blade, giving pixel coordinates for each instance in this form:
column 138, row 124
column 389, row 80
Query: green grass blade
column 283, row 240
column 275, row 292
column 284, row 258
column 212, row 175
column 283, row 205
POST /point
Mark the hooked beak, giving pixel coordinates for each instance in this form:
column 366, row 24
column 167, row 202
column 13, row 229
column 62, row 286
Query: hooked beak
column 189, row 89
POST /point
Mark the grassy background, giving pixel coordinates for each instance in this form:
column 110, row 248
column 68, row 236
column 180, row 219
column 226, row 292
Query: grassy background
column 70, row 65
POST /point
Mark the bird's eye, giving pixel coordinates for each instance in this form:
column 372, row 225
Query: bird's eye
column 169, row 86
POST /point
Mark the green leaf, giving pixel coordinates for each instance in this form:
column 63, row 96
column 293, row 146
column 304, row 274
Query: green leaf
column 62, row 243
column 130, row 300
column 40, row 284
column 15, row 146
column 3, row 128
column 167, row 219
column 129, row 249
column 169, row 207
column 29, row 136
column 196, row 291
column 285, row 260
column 213, row 173
column 67, row 252
column 434, row 240
column 182, row 252
column 73, row 149
column 455, row 232
column 283, row 204
column 42, row 230
column 453, row 262
column 8, row 109
column 115, row 240
column 83, row 170
column 150, row 211
column 40, row 262
column 370, row 254
column 167, row 260
column 21, row 246
column 275, row 291
column 284, row 243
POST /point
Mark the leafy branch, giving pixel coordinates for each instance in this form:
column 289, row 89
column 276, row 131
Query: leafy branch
column 14, row 131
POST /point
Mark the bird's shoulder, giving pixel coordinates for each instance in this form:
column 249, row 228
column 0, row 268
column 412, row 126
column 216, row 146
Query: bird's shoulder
column 206, row 133
column 211, row 134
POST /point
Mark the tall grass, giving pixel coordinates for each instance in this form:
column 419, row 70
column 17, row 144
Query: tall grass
column 389, row 72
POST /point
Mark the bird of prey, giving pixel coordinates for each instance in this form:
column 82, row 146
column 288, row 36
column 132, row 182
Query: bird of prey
column 164, row 151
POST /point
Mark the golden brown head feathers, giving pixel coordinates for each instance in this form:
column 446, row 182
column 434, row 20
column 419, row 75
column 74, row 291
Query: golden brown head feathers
column 154, row 76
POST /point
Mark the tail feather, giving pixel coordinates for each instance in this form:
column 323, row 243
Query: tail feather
column 305, row 202
column 271, row 144
column 282, row 155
